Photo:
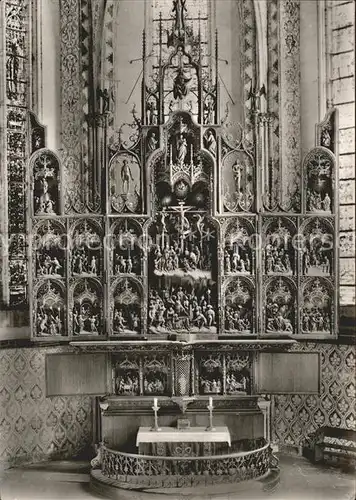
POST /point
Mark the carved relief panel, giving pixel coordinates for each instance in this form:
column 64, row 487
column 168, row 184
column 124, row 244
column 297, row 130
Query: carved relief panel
column 239, row 254
column 319, row 181
column 211, row 374
column 125, row 190
column 46, row 186
column 278, row 254
column 239, row 299
column 126, row 249
column 238, row 377
column 280, row 306
column 317, row 309
column 49, row 309
column 87, row 248
column 182, row 173
column 49, row 249
column 126, row 307
column 126, row 375
column 183, row 293
column 237, row 181
column 156, row 370
column 86, row 303
column 317, row 256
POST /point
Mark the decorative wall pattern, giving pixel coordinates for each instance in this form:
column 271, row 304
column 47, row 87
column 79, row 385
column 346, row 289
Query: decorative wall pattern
column 296, row 416
column 32, row 426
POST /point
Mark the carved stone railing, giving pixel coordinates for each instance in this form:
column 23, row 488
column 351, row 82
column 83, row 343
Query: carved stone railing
column 159, row 471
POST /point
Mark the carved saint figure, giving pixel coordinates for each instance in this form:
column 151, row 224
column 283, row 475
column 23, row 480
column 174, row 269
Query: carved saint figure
column 182, row 149
column 326, row 203
column 12, row 68
column 152, row 142
column 237, row 169
column 325, row 138
column 208, row 112
column 151, row 112
column 211, row 143
column 126, row 176
column 178, row 10
column 105, row 103
column 171, row 106
column 180, row 84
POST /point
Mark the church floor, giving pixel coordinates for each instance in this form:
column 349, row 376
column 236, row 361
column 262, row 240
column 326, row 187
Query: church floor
column 298, row 480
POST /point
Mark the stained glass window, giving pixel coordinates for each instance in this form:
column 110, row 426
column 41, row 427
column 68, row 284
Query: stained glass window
column 17, row 16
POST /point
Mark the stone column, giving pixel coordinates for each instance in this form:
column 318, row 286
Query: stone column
column 265, row 407
column 290, row 102
column 71, row 105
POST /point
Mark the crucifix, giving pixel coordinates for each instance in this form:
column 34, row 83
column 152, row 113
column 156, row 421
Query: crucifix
column 155, row 408
column 183, row 224
column 47, row 170
column 164, row 227
column 210, row 408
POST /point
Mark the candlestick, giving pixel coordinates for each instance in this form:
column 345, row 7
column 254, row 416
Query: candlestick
column 155, row 408
column 210, row 408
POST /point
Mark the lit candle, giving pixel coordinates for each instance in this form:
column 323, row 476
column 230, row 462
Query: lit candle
column 210, row 401
column 155, row 403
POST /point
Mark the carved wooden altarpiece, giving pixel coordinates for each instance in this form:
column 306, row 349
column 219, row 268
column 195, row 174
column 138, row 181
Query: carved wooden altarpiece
column 188, row 244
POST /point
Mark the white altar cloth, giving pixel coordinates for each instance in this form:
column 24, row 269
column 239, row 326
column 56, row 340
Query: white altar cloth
column 190, row 435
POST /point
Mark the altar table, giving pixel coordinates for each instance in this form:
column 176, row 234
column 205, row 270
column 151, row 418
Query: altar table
column 169, row 441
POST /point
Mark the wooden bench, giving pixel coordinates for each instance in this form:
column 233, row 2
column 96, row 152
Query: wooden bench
column 332, row 446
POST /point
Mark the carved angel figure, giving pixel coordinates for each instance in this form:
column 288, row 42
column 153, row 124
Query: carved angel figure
column 178, row 10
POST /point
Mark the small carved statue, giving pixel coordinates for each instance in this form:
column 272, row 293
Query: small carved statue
column 104, row 96
column 208, row 112
column 182, row 149
column 12, row 68
column 327, row 203
column 211, row 142
column 152, row 113
column 180, row 84
column 152, row 142
column 126, row 176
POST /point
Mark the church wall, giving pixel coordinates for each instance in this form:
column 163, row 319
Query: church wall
column 341, row 93
column 33, row 427
column 296, row 416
